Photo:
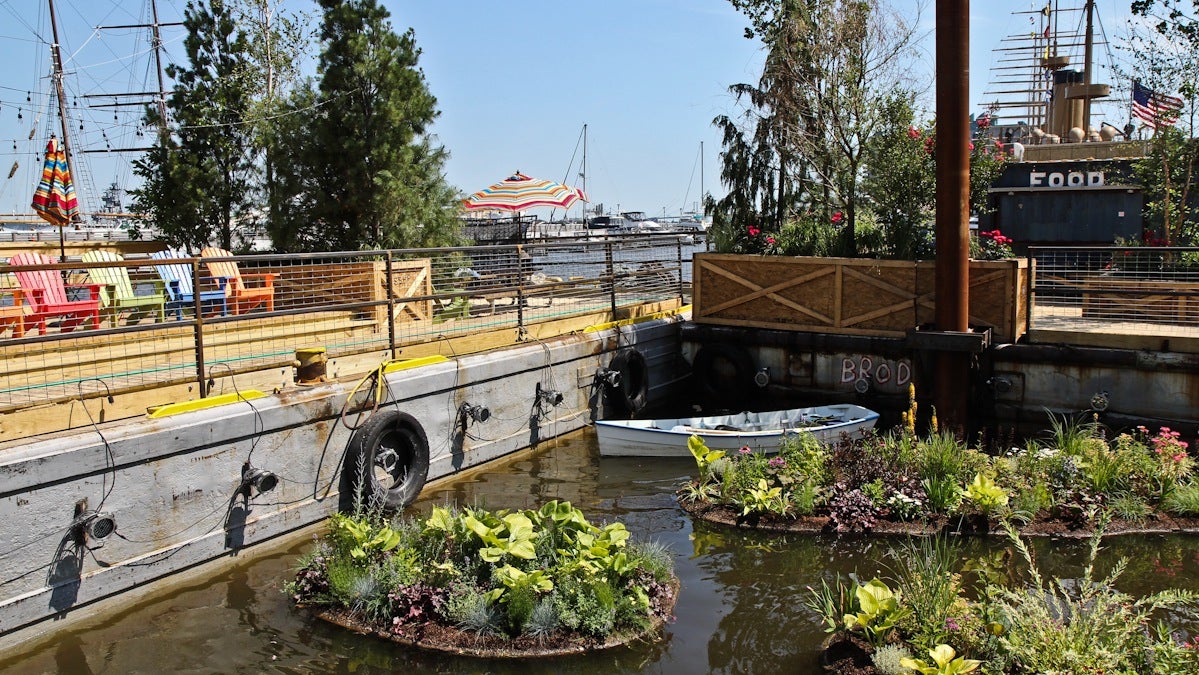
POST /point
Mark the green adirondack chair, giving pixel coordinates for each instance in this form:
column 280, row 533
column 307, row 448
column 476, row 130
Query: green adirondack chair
column 117, row 291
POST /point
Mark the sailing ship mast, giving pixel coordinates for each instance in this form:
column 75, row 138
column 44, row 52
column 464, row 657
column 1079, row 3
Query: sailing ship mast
column 1051, row 100
column 56, row 55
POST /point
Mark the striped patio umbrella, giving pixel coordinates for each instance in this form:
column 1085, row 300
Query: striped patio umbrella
column 519, row 192
column 54, row 200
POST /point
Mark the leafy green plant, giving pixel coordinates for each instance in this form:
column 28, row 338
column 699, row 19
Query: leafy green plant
column 1079, row 626
column 763, row 499
column 877, row 612
column 1183, row 500
column 985, row 494
column 1130, row 507
column 468, row 609
column 831, row 603
column 361, row 537
column 490, row 572
column 925, row 575
column 943, row 493
column 945, row 662
column 703, row 456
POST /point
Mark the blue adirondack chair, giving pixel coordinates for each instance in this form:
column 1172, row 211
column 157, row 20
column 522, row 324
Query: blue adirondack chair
column 181, row 292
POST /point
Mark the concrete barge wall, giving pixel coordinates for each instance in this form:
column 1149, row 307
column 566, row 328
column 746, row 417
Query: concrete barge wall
column 175, row 485
column 1013, row 387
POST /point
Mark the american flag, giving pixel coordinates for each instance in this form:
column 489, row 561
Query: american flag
column 1154, row 109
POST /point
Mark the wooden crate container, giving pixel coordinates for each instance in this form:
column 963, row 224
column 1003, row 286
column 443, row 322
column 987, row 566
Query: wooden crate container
column 331, row 284
column 850, row 296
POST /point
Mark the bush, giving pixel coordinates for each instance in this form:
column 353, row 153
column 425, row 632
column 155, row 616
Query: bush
column 527, row 572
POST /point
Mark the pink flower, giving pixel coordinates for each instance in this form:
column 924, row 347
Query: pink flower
column 837, row 217
column 913, row 132
column 745, row 450
column 753, row 231
column 971, row 146
column 770, row 240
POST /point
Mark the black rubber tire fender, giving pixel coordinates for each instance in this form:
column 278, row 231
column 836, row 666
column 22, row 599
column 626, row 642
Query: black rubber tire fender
column 631, row 393
column 391, row 448
column 723, row 374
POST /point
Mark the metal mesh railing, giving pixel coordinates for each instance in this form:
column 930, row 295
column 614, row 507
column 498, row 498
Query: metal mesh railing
column 179, row 320
column 1135, row 289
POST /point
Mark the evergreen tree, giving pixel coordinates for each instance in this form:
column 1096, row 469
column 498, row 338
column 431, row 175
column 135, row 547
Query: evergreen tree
column 363, row 171
column 199, row 178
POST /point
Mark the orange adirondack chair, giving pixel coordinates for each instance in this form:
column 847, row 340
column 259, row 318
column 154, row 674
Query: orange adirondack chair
column 242, row 297
column 12, row 310
column 46, row 294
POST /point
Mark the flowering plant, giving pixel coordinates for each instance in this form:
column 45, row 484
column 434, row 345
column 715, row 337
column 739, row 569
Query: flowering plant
column 991, row 245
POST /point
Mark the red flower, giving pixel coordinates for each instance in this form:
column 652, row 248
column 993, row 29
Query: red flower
column 837, row 217
column 753, row 231
column 913, row 132
column 769, row 240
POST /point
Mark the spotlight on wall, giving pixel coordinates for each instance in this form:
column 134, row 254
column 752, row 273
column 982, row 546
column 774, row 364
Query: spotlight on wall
column 475, row 413
column 93, row 526
column 1001, row 385
column 608, row 377
column 863, row 384
column 257, row 479
column 762, row 377
column 550, row 396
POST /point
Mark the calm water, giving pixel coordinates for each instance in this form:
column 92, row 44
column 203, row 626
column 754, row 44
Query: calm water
column 740, row 609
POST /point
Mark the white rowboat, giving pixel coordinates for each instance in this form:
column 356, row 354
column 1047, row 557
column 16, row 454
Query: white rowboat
column 760, row 431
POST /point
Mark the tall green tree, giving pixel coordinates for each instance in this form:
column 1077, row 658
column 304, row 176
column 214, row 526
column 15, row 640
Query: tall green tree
column 1167, row 176
column 278, row 43
column 199, row 179
column 365, row 172
column 799, row 146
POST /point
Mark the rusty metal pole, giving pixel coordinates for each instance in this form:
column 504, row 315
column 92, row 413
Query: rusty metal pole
column 953, row 206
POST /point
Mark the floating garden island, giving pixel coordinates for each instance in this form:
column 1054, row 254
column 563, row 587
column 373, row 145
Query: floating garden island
column 532, row 583
column 928, row 613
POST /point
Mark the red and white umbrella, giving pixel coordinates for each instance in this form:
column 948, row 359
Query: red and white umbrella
column 519, row 192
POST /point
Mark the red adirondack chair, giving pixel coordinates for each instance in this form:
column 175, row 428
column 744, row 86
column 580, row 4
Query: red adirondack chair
column 46, row 294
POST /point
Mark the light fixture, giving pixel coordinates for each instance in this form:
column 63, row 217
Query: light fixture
column 863, row 384
column 550, row 396
column 1001, row 385
column 762, row 377
column 1099, row 401
column 475, row 413
column 609, row 376
column 93, row 526
column 260, row 480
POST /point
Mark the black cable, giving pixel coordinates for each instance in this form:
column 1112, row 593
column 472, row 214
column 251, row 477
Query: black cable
column 109, row 459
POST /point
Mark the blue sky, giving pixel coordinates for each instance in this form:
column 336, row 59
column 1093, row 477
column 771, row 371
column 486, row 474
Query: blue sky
column 515, row 84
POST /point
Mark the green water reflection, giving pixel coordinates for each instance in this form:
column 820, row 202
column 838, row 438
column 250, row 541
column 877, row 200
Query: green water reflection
column 740, row 609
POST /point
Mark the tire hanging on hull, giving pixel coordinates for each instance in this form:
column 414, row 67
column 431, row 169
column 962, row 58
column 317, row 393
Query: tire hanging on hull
column 724, row 375
column 387, row 460
column 630, row 392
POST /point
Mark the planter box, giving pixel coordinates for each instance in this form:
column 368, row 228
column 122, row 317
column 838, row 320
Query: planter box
column 851, row 296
